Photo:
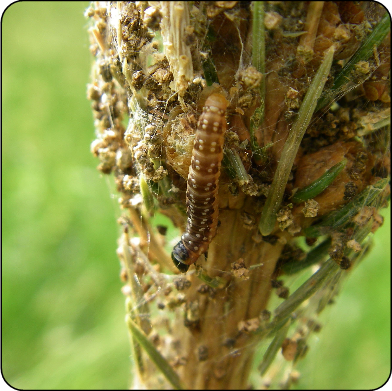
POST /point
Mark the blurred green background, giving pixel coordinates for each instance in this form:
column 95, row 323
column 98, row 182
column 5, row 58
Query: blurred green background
column 63, row 312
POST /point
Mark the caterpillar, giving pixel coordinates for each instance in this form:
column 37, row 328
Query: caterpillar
column 202, row 186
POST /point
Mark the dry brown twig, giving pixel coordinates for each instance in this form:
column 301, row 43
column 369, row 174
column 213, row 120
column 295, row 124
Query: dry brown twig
column 155, row 65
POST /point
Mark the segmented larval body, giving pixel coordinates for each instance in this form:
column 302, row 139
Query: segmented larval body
column 202, row 186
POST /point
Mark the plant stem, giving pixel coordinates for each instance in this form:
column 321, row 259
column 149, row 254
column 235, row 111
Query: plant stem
column 275, row 194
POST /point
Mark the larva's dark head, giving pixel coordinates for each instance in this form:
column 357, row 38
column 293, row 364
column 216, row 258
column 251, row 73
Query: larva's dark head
column 179, row 256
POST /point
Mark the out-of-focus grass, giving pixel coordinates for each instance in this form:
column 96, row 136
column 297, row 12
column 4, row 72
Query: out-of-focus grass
column 352, row 350
column 63, row 313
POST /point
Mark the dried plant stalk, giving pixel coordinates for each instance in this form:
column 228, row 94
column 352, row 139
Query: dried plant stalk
column 155, row 65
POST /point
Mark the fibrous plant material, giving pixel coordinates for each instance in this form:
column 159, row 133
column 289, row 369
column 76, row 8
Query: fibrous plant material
column 291, row 146
column 335, row 220
column 304, row 95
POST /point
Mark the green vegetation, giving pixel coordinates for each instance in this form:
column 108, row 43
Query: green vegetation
column 63, row 312
column 320, row 184
column 275, row 194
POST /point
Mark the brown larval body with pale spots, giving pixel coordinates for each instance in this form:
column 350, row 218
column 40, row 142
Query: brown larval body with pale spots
column 202, row 190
